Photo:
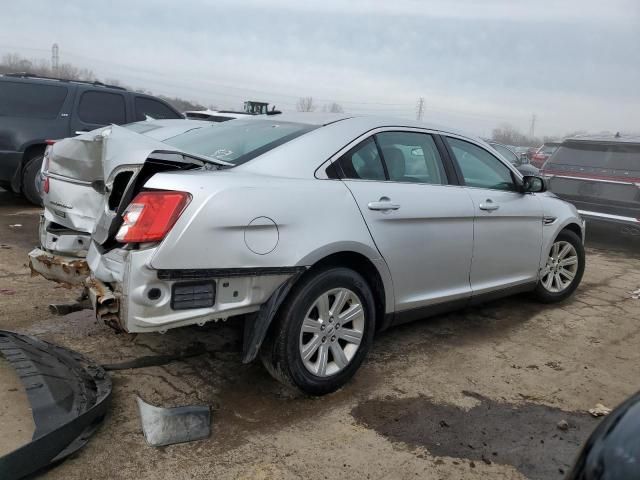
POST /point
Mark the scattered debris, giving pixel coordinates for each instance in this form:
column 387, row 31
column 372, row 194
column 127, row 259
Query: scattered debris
column 166, row 426
column 7, row 291
column 15, row 225
column 68, row 394
column 563, row 425
column 444, row 424
column 635, row 294
column 485, row 459
column 554, row 365
column 599, row 410
column 5, row 247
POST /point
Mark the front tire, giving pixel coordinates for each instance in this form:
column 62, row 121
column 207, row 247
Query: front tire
column 564, row 268
column 322, row 333
column 31, row 174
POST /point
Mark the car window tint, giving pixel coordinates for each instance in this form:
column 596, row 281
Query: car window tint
column 31, row 100
column 362, row 162
column 148, row 107
column 593, row 155
column 101, row 108
column 411, row 157
column 479, row 168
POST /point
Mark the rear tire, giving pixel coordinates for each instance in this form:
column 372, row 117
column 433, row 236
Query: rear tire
column 560, row 276
column 31, row 174
column 306, row 346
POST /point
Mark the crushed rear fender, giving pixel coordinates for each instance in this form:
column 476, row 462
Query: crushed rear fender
column 68, row 393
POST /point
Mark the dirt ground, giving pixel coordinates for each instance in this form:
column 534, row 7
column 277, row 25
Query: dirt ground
column 473, row 394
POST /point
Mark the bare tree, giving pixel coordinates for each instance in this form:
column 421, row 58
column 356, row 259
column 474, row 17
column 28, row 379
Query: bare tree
column 305, row 104
column 333, row 108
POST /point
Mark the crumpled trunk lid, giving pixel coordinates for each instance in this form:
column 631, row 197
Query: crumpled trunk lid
column 94, row 176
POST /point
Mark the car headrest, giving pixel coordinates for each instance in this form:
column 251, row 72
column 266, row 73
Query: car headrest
column 394, row 158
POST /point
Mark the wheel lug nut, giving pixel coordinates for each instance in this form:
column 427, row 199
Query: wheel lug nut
column 333, row 339
column 337, row 326
column 322, row 327
column 324, row 339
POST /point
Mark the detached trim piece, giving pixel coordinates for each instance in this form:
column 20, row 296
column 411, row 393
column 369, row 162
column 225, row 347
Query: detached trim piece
column 68, row 393
column 202, row 273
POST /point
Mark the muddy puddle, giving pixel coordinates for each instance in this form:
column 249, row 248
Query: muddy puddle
column 524, row 435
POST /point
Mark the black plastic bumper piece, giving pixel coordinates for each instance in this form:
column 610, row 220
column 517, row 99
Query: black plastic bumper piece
column 69, row 396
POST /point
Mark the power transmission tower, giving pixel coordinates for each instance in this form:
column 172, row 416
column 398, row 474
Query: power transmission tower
column 54, row 59
column 532, row 128
column 420, row 108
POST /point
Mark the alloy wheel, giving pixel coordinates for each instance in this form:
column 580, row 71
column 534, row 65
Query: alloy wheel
column 561, row 267
column 331, row 332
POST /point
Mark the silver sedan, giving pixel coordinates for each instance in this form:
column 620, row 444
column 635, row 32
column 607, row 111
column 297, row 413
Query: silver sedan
column 316, row 231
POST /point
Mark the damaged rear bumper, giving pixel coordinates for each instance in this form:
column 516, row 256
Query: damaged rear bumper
column 68, row 393
column 72, row 271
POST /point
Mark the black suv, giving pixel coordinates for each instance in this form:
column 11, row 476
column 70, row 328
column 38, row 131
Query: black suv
column 35, row 109
column 600, row 175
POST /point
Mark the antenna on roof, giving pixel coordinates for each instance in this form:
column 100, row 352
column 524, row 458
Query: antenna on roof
column 617, row 135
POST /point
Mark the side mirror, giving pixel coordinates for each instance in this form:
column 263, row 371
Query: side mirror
column 533, row 184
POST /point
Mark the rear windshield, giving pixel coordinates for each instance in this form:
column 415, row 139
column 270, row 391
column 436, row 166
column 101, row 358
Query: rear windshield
column 31, row 100
column 239, row 141
column 613, row 157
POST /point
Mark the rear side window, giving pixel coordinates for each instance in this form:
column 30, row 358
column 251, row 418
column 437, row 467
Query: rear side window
column 591, row 155
column 362, row 162
column 548, row 149
column 411, row 157
column 148, row 107
column 479, row 168
column 101, row 108
column 31, row 100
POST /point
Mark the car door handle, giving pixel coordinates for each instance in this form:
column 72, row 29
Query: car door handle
column 489, row 205
column 384, row 204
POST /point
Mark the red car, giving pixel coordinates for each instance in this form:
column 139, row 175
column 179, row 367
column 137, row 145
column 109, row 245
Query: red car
column 543, row 153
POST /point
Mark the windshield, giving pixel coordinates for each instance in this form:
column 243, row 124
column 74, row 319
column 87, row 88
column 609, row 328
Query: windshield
column 238, row 141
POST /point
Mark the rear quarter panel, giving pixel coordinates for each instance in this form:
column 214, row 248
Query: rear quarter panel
column 314, row 218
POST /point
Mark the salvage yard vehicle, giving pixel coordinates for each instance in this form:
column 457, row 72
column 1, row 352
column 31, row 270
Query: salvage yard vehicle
column 318, row 230
column 600, row 175
column 34, row 109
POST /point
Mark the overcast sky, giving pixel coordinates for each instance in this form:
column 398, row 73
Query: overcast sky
column 574, row 63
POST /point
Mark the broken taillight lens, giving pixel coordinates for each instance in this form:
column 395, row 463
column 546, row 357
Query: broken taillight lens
column 151, row 215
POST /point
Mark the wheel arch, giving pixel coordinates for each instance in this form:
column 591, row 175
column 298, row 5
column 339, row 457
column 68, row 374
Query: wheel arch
column 31, row 150
column 370, row 272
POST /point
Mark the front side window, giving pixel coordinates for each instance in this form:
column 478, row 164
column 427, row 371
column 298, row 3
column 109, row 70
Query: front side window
column 101, row 108
column 148, row 107
column 411, row 157
column 479, row 168
column 362, row 162
column 239, row 141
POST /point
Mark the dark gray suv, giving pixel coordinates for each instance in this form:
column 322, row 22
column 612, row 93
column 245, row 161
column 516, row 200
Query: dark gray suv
column 600, row 175
column 36, row 109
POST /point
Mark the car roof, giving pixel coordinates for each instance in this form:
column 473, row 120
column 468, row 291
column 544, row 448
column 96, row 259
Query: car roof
column 605, row 138
column 30, row 78
column 372, row 121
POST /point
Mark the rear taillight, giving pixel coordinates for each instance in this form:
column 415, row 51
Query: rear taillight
column 151, row 215
column 45, row 185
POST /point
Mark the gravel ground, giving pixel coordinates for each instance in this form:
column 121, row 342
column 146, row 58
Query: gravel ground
column 473, row 394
